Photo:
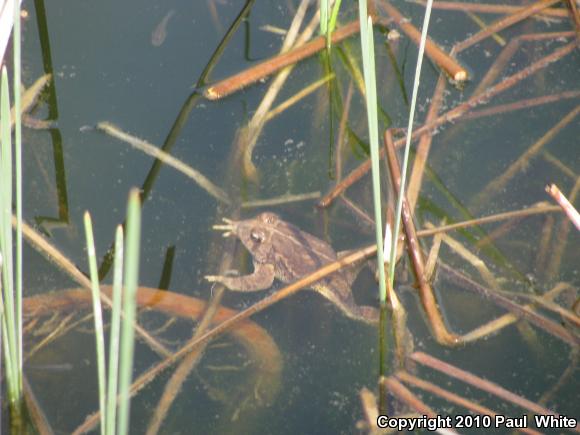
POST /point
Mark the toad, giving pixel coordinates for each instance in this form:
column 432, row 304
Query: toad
column 283, row 251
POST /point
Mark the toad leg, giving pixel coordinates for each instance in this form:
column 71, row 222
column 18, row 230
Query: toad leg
column 261, row 279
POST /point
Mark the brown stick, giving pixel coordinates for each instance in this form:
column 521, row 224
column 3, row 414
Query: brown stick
column 515, row 308
column 575, row 15
column 491, row 9
column 436, row 54
column 453, row 115
column 56, row 257
column 538, row 209
column 253, row 74
column 501, row 24
column 478, row 382
column 442, row 334
column 402, row 393
column 420, row 161
column 451, row 397
column 254, row 339
column 522, row 104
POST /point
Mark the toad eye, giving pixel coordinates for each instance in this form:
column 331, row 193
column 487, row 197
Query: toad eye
column 257, row 236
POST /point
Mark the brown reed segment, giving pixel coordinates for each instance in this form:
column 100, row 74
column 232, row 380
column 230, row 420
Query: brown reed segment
column 515, row 308
column 539, row 208
column 399, row 391
column 436, row 54
column 575, row 15
column 476, row 381
column 568, row 208
column 451, row 397
column 56, row 257
column 34, row 410
column 505, row 22
column 251, row 336
column 422, row 154
column 255, row 73
column 508, row 52
column 522, row 104
column 489, row 8
column 453, row 115
column 442, row 334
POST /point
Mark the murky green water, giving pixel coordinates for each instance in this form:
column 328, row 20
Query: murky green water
column 105, row 68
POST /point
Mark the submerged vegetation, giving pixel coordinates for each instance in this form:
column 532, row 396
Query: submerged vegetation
column 488, row 218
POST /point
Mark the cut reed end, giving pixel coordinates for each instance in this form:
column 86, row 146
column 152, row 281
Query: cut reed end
column 212, row 94
column 460, row 76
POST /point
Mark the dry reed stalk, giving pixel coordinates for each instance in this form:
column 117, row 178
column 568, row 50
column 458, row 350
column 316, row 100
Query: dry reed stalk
column 480, row 383
column 150, row 149
column 358, row 212
column 52, row 254
column 253, row 74
column 522, row 104
column 252, row 337
column 471, row 258
column 30, row 96
column 60, row 329
column 539, row 208
column 489, row 8
column 403, row 394
column 442, row 334
column 422, row 154
column 551, row 158
column 567, row 377
column 37, row 124
column 483, row 26
column 515, row 308
column 568, row 208
column 432, row 257
column 495, row 325
column 436, row 54
column 284, row 199
column 297, row 97
column 575, row 16
column 505, row 22
column 453, row 115
column 497, row 233
column 370, row 411
column 498, row 184
column 451, row 397
column 544, row 245
column 248, row 135
column 34, row 410
column 508, row 52
column 561, row 239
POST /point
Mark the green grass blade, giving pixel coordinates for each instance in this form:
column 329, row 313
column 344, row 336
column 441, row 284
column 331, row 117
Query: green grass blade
column 324, row 16
column 115, row 333
column 98, row 317
column 9, row 324
column 127, row 336
column 334, row 16
column 367, row 44
column 18, row 179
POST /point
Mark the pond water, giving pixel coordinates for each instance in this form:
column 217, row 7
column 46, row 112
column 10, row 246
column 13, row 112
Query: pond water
column 137, row 65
